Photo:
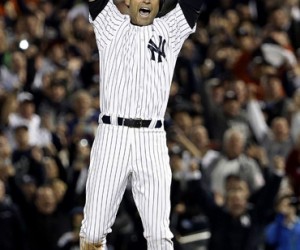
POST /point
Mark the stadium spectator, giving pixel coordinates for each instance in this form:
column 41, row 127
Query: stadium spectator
column 233, row 160
column 12, row 228
column 279, row 141
column 293, row 166
column 284, row 232
column 237, row 224
column 230, row 114
column 27, row 160
column 275, row 102
column 294, row 115
column 70, row 240
column 6, row 167
column 26, row 116
column 84, row 118
column 47, row 222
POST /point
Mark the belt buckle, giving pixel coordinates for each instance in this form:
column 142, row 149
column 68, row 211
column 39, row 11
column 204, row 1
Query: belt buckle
column 137, row 123
column 133, row 123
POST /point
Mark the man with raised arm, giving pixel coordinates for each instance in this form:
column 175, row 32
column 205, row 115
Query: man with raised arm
column 137, row 53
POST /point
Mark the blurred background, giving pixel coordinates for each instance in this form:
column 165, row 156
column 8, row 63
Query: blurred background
column 232, row 122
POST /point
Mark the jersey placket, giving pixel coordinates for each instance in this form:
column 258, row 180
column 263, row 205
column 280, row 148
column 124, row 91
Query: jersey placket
column 140, row 83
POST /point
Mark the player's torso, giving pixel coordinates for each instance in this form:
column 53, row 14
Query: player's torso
column 136, row 70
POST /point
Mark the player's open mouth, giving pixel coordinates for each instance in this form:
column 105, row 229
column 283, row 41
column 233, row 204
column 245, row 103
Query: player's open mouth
column 144, row 12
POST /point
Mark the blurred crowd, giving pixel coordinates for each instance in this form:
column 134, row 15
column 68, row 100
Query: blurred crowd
column 232, row 122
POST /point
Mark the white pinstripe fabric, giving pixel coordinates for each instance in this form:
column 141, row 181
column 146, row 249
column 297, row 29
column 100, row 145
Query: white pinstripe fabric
column 124, row 151
column 131, row 84
column 151, row 179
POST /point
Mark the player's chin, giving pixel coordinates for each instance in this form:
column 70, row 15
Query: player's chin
column 145, row 20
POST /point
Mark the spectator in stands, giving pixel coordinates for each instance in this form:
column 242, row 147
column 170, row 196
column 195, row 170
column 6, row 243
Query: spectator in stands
column 27, row 160
column 70, row 240
column 279, row 141
column 12, row 228
column 197, row 144
column 286, row 18
column 294, row 111
column 78, row 172
column 4, row 43
column 60, row 188
column 47, row 223
column 9, row 104
column 6, row 167
column 13, row 76
column 233, row 160
column 241, row 89
column 293, row 167
column 284, row 232
column 23, row 194
column 53, row 169
column 275, row 102
column 53, row 99
column 238, row 224
column 248, row 42
column 185, row 70
column 186, row 214
column 229, row 115
column 84, row 118
column 26, row 116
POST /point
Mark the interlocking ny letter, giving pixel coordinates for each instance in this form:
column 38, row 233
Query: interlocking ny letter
column 160, row 50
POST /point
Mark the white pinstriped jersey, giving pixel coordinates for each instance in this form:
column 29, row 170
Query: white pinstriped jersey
column 137, row 62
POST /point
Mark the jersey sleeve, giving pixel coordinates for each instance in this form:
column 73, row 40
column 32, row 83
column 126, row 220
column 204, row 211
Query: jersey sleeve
column 105, row 22
column 191, row 10
column 179, row 28
column 95, row 7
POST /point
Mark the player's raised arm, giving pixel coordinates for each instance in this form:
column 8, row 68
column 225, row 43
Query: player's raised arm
column 166, row 7
column 96, row 6
column 191, row 10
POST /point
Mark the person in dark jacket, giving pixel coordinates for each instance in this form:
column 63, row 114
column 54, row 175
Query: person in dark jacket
column 238, row 225
column 47, row 223
column 12, row 230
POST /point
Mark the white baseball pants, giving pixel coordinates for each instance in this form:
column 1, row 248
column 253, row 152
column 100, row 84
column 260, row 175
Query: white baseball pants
column 117, row 153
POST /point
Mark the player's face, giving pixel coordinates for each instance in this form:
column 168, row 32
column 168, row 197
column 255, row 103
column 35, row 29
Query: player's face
column 142, row 12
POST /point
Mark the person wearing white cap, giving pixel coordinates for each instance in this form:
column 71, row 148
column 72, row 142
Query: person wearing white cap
column 26, row 116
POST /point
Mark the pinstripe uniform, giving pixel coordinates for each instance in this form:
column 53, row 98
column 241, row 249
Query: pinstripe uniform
column 136, row 69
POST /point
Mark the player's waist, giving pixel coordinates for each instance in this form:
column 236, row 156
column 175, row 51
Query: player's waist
column 131, row 122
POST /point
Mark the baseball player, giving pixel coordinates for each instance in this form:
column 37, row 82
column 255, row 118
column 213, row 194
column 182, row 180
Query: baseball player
column 137, row 55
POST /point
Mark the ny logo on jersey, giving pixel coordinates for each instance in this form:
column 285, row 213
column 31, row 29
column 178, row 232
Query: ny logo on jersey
column 160, row 49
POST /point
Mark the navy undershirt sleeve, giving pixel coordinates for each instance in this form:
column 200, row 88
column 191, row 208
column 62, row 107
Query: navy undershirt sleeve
column 96, row 7
column 191, row 10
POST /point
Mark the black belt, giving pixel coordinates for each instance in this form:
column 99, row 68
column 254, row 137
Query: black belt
column 132, row 123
